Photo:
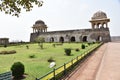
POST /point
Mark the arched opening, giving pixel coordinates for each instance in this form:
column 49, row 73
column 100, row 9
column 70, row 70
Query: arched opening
column 84, row 39
column 72, row 39
column 61, row 39
column 98, row 25
column 99, row 38
column 104, row 24
column 51, row 39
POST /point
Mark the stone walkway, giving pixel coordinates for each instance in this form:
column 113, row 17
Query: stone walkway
column 110, row 65
column 104, row 64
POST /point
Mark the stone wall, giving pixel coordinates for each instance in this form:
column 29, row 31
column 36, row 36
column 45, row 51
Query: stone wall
column 4, row 41
column 79, row 35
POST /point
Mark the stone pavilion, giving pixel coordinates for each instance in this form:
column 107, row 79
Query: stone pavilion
column 99, row 31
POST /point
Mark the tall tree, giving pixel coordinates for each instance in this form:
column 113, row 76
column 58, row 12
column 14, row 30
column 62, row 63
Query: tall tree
column 14, row 7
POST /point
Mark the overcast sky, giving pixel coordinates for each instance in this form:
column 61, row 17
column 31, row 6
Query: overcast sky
column 60, row 15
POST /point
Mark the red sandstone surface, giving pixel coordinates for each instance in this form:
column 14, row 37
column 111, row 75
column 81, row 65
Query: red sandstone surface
column 103, row 64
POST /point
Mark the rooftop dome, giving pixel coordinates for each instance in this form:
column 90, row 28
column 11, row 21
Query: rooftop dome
column 39, row 22
column 99, row 15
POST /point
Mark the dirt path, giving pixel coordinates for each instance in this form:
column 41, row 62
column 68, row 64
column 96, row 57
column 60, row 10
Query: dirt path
column 104, row 64
column 88, row 69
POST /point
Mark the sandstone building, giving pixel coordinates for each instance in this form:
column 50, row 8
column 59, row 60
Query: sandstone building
column 99, row 31
column 4, row 41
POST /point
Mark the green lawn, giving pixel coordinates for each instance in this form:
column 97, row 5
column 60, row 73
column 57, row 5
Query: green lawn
column 38, row 66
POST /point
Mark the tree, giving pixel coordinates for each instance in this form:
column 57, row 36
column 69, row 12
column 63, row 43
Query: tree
column 14, row 7
column 40, row 41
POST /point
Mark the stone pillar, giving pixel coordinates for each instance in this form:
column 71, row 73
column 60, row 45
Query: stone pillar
column 44, row 30
column 33, row 30
column 93, row 26
column 106, row 25
column 102, row 24
column 97, row 26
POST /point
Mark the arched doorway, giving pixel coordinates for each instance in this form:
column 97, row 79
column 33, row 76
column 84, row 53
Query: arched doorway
column 72, row 39
column 61, row 39
column 98, row 25
column 84, row 39
column 99, row 38
column 51, row 39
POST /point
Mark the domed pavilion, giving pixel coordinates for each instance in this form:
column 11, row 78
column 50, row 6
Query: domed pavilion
column 99, row 20
column 39, row 26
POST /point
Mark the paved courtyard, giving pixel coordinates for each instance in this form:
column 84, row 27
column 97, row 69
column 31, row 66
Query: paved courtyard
column 104, row 64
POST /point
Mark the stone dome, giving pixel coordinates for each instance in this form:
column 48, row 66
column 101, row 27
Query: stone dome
column 39, row 22
column 99, row 15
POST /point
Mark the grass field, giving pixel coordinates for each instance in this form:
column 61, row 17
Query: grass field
column 38, row 66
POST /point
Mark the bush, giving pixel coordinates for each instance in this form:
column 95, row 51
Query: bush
column 17, row 70
column 83, row 46
column 77, row 49
column 86, row 45
column 89, row 43
column 12, row 52
column 32, row 56
column 27, row 46
column 93, row 42
column 53, row 45
column 41, row 46
column 5, row 45
column 51, row 59
column 8, row 52
column 68, row 51
column 4, row 52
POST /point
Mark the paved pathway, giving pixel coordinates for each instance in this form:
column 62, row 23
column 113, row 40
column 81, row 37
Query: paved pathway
column 110, row 65
column 104, row 64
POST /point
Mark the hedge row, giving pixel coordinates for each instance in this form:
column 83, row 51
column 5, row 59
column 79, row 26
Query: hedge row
column 8, row 52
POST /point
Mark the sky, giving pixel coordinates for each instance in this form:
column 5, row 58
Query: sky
column 60, row 15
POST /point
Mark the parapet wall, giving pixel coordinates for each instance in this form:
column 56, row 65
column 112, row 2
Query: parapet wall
column 115, row 38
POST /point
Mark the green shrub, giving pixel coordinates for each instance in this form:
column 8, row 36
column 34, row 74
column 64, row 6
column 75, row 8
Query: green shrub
column 5, row 45
column 68, row 51
column 12, row 52
column 93, row 42
column 4, row 52
column 53, row 45
column 17, row 70
column 89, row 43
column 32, row 56
column 77, row 49
column 86, row 45
column 8, row 52
column 83, row 46
column 51, row 59
column 41, row 46
column 27, row 46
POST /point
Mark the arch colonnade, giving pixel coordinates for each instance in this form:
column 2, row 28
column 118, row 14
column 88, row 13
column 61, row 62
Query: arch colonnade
column 70, row 39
